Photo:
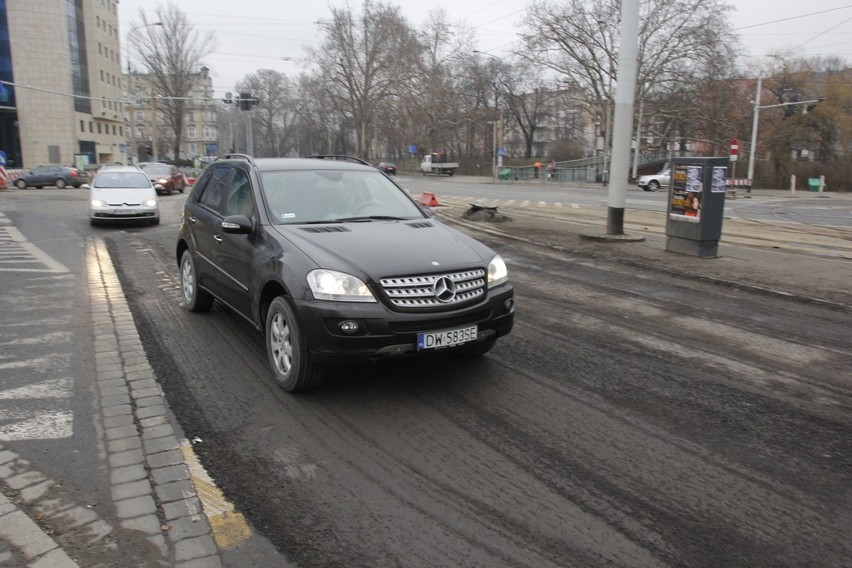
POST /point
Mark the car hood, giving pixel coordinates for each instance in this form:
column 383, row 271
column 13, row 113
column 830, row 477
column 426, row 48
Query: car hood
column 122, row 196
column 378, row 249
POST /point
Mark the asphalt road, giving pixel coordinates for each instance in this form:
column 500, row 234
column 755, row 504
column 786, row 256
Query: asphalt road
column 632, row 418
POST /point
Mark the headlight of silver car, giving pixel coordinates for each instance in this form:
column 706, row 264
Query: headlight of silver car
column 150, row 202
column 97, row 202
column 338, row 286
column 497, row 271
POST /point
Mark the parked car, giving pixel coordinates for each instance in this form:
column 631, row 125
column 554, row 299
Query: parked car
column 123, row 193
column 654, row 182
column 52, row 174
column 387, row 167
column 335, row 263
column 166, row 178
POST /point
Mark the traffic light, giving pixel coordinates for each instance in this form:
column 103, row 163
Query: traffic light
column 245, row 102
column 229, row 98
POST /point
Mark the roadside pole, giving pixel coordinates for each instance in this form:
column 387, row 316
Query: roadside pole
column 623, row 123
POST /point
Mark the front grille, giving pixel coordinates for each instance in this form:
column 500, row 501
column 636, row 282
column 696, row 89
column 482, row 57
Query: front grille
column 419, row 292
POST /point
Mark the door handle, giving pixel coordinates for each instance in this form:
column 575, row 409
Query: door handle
column 191, row 220
column 217, row 238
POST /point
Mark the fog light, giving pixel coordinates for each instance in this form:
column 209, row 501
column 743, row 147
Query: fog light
column 510, row 304
column 349, row 327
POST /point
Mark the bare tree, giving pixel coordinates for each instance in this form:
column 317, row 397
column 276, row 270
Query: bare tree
column 274, row 110
column 367, row 59
column 579, row 40
column 528, row 99
column 319, row 121
column 171, row 50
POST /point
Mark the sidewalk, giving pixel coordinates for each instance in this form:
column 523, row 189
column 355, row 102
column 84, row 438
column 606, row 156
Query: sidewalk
column 811, row 264
column 140, row 502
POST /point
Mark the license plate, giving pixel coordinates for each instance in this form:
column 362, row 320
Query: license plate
column 122, row 211
column 446, row 338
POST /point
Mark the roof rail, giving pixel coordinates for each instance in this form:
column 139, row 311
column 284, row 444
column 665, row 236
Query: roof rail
column 245, row 157
column 341, row 157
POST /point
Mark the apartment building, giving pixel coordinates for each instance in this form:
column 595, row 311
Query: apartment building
column 60, row 67
column 150, row 134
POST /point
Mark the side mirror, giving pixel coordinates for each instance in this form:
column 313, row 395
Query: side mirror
column 237, row 225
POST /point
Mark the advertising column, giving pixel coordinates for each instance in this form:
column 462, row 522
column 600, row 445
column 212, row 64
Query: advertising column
column 696, row 206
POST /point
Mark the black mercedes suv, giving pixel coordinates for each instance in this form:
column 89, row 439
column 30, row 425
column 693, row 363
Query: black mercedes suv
column 334, row 262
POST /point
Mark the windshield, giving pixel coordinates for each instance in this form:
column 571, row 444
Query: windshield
column 121, row 180
column 157, row 170
column 334, row 196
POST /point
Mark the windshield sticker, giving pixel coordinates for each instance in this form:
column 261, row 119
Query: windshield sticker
column 288, row 215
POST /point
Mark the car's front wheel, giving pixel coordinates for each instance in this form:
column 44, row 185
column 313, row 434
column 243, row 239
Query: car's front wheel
column 196, row 299
column 653, row 185
column 287, row 348
column 21, row 184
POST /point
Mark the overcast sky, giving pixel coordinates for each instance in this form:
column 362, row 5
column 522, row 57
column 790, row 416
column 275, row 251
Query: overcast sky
column 260, row 34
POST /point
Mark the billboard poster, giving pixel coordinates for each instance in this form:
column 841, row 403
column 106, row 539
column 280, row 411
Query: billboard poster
column 686, row 193
column 720, row 179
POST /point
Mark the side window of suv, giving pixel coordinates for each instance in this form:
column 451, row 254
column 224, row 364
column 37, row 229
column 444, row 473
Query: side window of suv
column 214, row 193
column 240, row 200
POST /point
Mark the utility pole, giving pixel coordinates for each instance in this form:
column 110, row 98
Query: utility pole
column 757, row 106
column 623, row 119
column 638, row 140
column 752, row 149
column 497, row 112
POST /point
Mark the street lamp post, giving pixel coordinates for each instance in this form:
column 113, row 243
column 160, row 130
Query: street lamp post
column 496, row 112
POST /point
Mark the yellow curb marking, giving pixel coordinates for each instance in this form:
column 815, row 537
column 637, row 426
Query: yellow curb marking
column 230, row 528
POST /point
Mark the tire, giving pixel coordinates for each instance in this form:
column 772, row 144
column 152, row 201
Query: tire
column 20, row 184
column 59, row 183
column 477, row 349
column 653, row 185
column 287, row 349
column 196, row 299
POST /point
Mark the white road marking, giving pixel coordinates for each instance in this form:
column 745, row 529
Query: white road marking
column 19, row 255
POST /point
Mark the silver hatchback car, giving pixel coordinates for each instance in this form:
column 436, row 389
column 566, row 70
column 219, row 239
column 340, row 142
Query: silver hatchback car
column 123, row 194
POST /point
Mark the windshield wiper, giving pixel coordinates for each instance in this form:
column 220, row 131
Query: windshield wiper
column 364, row 218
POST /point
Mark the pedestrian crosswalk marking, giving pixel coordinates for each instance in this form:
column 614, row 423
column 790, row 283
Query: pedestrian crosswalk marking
column 19, row 255
column 56, row 388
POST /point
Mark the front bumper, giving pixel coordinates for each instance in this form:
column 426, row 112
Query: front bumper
column 386, row 333
column 124, row 213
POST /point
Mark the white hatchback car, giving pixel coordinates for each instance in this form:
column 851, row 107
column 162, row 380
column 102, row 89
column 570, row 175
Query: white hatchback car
column 123, row 193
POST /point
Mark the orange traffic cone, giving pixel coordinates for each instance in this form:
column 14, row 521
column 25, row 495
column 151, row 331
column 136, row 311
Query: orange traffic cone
column 428, row 200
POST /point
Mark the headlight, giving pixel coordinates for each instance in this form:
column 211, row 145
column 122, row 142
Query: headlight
column 97, row 202
column 150, row 202
column 497, row 272
column 162, row 181
column 338, row 286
